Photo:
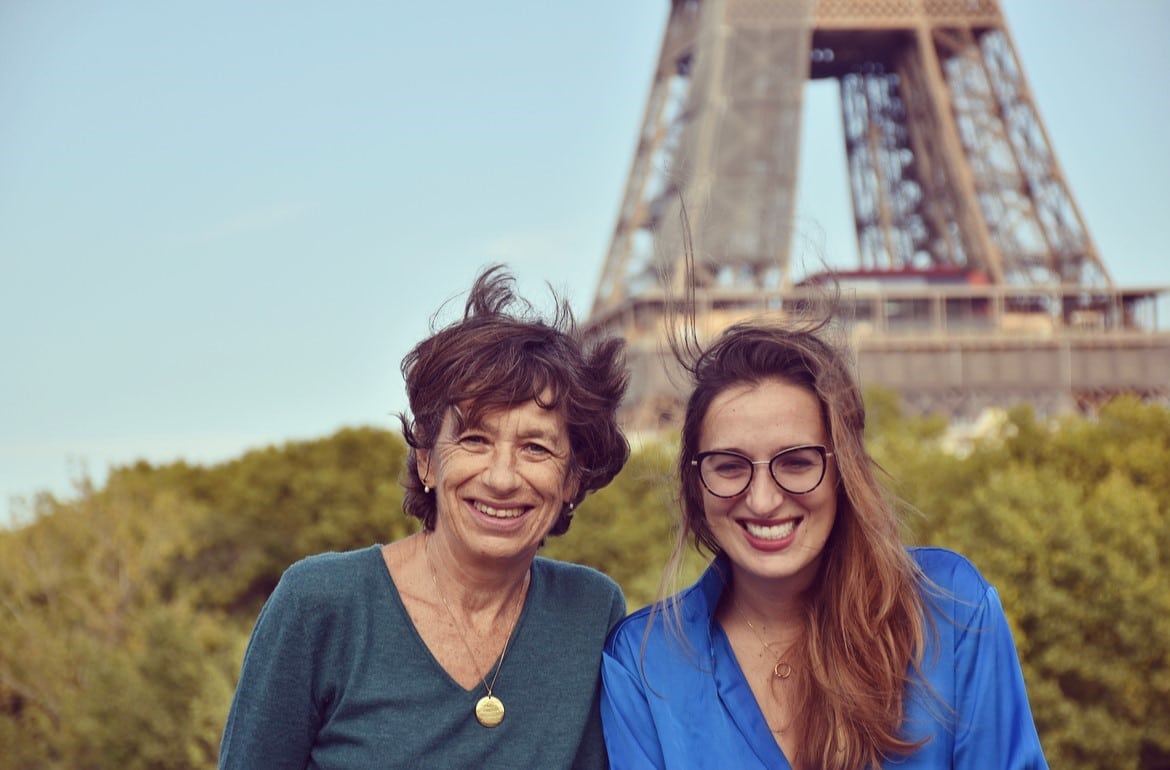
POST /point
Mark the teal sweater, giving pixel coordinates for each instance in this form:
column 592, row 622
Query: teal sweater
column 336, row 676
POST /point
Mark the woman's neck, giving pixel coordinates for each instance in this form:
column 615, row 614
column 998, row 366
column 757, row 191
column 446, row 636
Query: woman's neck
column 472, row 587
column 767, row 602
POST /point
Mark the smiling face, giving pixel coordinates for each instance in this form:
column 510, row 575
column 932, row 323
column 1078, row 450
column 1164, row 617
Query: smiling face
column 766, row 532
column 501, row 483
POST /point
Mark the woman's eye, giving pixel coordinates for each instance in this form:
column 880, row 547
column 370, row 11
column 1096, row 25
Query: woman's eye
column 732, row 468
column 472, row 440
column 537, row 449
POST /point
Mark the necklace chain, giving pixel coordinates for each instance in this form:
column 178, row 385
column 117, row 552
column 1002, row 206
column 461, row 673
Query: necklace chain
column 455, row 621
column 782, row 669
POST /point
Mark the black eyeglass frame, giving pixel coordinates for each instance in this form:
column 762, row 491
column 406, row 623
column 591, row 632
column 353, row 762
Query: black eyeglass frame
column 820, row 448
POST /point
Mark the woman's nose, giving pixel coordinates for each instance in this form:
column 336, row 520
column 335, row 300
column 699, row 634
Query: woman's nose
column 501, row 473
column 763, row 496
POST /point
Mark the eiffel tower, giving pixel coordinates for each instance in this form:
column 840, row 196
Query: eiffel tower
column 978, row 284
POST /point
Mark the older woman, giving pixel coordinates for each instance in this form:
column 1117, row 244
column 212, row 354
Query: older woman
column 814, row 640
column 456, row 646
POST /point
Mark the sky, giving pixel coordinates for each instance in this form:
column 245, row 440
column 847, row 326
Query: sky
column 224, row 222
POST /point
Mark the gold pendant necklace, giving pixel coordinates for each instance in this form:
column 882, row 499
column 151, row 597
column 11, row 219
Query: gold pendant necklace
column 782, row 670
column 489, row 710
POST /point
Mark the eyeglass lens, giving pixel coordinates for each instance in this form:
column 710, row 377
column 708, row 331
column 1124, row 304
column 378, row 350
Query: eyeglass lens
column 798, row 470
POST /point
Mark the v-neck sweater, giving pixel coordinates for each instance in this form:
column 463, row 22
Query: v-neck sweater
column 336, row 676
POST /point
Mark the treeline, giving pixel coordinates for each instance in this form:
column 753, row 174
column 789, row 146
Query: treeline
column 124, row 611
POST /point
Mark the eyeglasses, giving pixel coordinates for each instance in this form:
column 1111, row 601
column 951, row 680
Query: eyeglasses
column 798, row 470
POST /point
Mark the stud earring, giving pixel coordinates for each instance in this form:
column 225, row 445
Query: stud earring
column 426, row 489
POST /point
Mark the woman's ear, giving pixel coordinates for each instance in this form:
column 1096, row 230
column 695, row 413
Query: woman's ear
column 422, row 466
column 571, row 487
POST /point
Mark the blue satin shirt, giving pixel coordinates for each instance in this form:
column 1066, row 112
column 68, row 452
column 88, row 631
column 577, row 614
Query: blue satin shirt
column 665, row 706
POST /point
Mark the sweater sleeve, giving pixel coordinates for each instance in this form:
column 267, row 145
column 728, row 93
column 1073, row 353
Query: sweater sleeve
column 273, row 718
column 994, row 727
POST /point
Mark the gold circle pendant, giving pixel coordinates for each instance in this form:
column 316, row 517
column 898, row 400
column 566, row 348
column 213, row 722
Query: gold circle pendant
column 489, row 711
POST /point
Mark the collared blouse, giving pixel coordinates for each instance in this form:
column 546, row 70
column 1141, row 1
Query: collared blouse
column 671, row 703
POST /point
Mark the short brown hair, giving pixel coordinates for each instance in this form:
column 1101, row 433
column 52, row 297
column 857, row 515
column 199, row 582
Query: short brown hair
column 501, row 354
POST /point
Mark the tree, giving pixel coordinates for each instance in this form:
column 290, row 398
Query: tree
column 124, row 612
column 271, row 507
column 627, row 529
column 95, row 671
column 1069, row 520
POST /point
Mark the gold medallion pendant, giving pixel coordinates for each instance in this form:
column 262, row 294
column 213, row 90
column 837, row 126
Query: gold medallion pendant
column 489, row 711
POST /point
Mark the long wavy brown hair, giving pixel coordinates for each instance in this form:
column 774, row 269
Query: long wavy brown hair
column 863, row 625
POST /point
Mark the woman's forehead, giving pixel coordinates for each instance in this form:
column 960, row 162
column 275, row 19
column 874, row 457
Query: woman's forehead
column 772, row 406
column 529, row 417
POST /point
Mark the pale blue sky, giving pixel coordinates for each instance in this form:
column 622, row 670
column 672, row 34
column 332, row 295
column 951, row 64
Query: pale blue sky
column 223, row 222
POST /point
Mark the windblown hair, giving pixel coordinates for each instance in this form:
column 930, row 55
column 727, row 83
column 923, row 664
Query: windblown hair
column 864, row 624
column 503, row 354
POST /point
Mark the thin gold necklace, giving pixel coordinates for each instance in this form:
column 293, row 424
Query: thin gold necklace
column 782, row 670
column 489, row 710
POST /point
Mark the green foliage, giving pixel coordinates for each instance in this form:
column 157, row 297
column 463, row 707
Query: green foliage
column 124, row 613
column 1070, row 521
column 95, row 670
column 274, row 506
column 626, row 530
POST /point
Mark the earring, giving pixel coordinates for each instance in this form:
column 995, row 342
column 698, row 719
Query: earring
column 426, row 489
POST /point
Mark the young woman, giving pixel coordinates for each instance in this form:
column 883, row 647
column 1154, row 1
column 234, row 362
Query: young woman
column 815, row 640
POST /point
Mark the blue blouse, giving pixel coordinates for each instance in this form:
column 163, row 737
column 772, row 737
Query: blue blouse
column 666, row 706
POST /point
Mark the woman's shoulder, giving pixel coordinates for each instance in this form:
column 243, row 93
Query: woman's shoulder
column 950, row 575
column 335, row 562
column 332, row 573
column 576, row 595
column 568, row 577
column 630, row 631
column 687, row 612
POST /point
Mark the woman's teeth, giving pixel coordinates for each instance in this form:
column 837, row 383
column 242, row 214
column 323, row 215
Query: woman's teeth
column 770, row 531
column 498, row 513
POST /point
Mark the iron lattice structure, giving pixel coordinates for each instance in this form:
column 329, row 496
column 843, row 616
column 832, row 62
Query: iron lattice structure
column 950, row 168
